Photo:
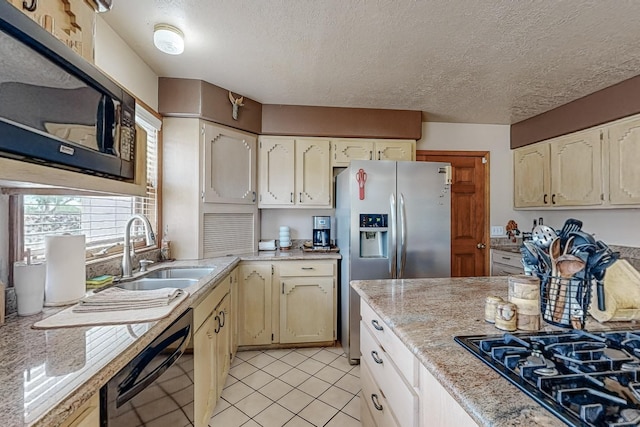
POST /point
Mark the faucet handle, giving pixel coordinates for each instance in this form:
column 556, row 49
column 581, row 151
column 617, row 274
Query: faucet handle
column 143, row 264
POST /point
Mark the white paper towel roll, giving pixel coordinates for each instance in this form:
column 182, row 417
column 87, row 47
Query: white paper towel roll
column 66, row 275
column 28, row 283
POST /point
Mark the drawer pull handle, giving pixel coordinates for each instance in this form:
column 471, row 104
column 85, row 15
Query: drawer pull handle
column 307, row 268
column 217, row 329
column 376, row 403
column 376, row 358
column 507, row 258
column 377, row 325
column 222, row 319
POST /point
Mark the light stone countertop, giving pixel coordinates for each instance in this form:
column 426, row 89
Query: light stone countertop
column 45, row 375
column 427, row 313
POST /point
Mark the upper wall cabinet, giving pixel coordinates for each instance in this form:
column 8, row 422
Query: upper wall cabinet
column 294, row 172
column 70, row 21
column 624, row 157
column 345, row 150
column 531, row 172
column 229, row 166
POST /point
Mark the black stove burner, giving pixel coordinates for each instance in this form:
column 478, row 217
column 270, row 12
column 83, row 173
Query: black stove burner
column 585, row 379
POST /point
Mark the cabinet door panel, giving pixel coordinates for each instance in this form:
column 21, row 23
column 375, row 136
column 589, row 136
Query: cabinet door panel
column 306, row 309
column 624, row 157
column 222, row 346
column 576, row 169
column 394, row 150
column 345, row 150
column 254, row 305
column 277, row 161
column 204, row 388
column 313, row 172
column 531, row 176
column 229, row 166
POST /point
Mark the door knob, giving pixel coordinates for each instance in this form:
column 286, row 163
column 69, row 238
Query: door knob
column 481, row 246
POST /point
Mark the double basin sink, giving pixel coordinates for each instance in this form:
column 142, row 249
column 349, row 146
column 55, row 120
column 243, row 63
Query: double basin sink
column 176, row 277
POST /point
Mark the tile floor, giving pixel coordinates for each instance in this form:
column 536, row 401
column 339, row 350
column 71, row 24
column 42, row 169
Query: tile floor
column 290, row 387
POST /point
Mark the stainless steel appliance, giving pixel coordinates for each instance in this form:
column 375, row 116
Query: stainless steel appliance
column 585, row 379
column 156, row 387
column 321, row 231
column 392, row 221
column 58, row 109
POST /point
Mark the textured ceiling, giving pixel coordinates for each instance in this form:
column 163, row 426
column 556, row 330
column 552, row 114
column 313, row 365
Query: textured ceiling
column 475, row 61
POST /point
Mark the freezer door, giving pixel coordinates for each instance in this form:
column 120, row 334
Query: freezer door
column 424, row 217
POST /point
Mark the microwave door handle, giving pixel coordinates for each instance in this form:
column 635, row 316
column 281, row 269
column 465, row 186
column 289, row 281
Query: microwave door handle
column 105, row 125
column 133, row 390
column 403, row 236
column 393, row 248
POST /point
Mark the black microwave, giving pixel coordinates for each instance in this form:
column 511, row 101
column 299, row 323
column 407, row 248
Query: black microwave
column 56, row 108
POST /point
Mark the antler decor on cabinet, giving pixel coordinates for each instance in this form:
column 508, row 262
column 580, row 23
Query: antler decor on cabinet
column 236, row 103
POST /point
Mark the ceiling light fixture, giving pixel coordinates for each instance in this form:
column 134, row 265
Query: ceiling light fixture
column 168, row 39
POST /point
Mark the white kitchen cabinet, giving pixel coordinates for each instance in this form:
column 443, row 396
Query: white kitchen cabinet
column 307, row 301
column 437, row 407
column 233, row 283
column 212, row 320
column 208, row 215
column 255, row 304
column 623, row 146
column 564, row 171
column 504, row 263
column 346, row 149
column 294, row 172
column 229, row 174
column 87, row 415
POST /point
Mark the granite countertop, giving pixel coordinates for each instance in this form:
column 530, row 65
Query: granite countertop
column 48, row 374
column 427, row 313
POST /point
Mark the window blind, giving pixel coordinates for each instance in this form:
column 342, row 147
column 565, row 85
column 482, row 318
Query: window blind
column 100, row 218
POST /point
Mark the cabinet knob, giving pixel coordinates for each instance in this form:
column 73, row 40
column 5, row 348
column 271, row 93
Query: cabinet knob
column 291, row 197
column 30, row 7
column 544, row 199
column 481, row 246
column 553, row 199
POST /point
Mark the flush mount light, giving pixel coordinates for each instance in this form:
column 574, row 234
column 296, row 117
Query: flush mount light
column 168, row 39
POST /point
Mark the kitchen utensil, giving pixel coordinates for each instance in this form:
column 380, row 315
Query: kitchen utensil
column 598, row 271
column 551, row 292
column 569, row 226
column 529, row 260
column 544, row 264
column 361, row 177
column 567, row 265
column 542, row 236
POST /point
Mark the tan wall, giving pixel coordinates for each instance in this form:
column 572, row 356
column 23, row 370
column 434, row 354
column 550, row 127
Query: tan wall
column 120, row 62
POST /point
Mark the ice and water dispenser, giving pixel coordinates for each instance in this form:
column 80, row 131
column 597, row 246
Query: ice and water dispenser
column 373, row 235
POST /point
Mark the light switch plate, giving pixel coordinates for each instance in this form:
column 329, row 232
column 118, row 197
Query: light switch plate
column 497, row 231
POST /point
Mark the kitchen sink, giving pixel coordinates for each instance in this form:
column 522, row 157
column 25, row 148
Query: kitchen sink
column 149, row 284
column 180, row 273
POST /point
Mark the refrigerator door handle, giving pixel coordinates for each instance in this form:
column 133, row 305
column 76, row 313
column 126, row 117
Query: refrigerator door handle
column 393, row 248
column 403, row 236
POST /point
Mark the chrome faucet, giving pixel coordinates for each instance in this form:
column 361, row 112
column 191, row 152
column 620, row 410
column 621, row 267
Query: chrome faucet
column 129, row 250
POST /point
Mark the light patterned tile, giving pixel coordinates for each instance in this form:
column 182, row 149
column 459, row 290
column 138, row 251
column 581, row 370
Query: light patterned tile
column 221, row 405
column 308, row 352
column 325, row 356
column 293, row 358
column 253, row 404
column 277, row 368
column 257, row 379
column 242, row 370
column 231, row 380
column 246, row 355
column 276, row 389
column 298, row 422
column 355, row 371
column 261, row 360
column 353, row 407
column 278, row 353
column 236, row 392
column 318, row 413
column 310, row 366
column 343, row 420
column 251, row 423
column 329, row 374
column 295, row 400
column 294, row 377
column 341, row 363
column 336, row 397
column 337, row 350
column 314, row 386
column 349, row 383
column 274, row 416
column 230, row 417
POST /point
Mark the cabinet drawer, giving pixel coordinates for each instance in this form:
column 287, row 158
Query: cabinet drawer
column 382, row 414
column 206, row 306
column 505, row 270
column 405, row 361
column 399, row 394
column 507, row 258
column 303, row 268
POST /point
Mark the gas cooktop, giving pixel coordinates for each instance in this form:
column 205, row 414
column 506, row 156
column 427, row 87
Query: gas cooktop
column 585, row 379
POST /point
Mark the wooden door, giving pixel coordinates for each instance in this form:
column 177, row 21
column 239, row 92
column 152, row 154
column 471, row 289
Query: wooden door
column 313, row 173
column 531, row 176
column 306, row 309
column 229, row 166
column 576, row 169
column 396, row 150
column 345, row 150
column 469, row 209
column 254, row 304
column 624, row 157
column 276, row 171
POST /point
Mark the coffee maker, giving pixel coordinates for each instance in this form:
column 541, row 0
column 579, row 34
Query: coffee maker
column 321, row 231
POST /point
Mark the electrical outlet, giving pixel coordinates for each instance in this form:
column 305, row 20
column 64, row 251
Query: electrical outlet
column 497, row 231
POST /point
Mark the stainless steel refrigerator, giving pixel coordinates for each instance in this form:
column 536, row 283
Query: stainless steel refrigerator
column 393, row 221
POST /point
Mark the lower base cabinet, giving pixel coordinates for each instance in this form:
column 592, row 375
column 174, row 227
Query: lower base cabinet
column 437, row 407
column 87, row 415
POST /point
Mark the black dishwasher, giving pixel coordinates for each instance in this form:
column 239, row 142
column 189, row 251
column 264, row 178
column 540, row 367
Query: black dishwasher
column 156, row 387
